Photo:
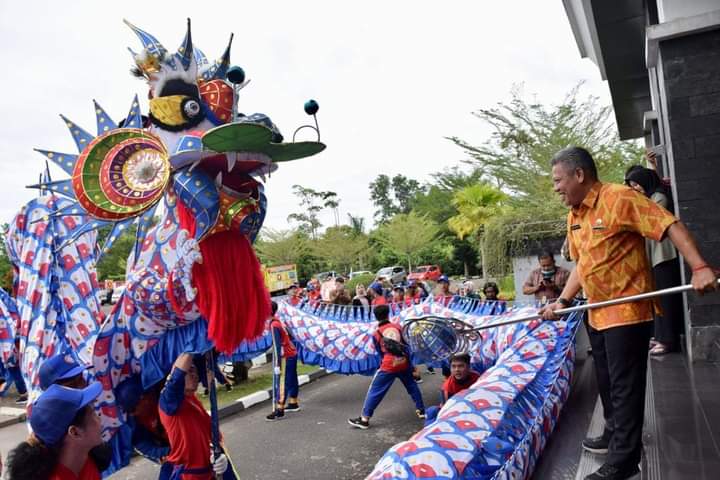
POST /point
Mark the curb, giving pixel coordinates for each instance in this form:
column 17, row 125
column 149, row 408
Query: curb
column 14, row 415
column 261, row 396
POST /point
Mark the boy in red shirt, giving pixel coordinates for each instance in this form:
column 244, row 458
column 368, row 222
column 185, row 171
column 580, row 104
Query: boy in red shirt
column 461, row 378
column 188, row 427
column 284, row 348
column 395, row 364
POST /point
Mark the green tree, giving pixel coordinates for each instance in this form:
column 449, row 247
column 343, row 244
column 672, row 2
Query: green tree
column 476, row 205
column 516, row 159
column 393, row 196
column 6, row 270
column 341, row 248
column 435, row 202
column 357, row 223
column 113, row 263
column 407, row 234
column 312, row 202
column 282, row 247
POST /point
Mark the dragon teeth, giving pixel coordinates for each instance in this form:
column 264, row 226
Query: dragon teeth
column 231, row 159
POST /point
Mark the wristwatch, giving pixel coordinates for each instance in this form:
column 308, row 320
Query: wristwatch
column 564, row 302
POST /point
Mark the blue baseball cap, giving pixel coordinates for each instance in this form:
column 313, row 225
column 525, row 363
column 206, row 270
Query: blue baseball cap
column 443, row 278
column 376, row 287
column 57, row 368
column 54, row 410
column 128, row 393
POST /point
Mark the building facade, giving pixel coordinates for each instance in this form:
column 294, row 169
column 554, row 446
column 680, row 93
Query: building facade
column 661, row 59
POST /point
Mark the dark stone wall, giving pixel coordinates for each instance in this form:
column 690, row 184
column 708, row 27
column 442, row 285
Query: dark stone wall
column 691, row 69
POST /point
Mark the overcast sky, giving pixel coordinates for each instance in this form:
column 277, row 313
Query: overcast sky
column 392, row 78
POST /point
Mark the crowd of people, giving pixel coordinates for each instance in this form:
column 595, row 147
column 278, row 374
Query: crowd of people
column 332, row 290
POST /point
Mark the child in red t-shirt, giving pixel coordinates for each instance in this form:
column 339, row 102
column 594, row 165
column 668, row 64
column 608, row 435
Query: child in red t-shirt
column 284, row 348
column 461, row 378
column 188, row 427
column 395, row 364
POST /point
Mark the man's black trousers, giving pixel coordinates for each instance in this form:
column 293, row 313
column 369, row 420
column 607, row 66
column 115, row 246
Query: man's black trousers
column 620, row 356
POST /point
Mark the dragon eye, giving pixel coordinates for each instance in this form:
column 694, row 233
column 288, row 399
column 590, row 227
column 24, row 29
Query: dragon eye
column 191, row 108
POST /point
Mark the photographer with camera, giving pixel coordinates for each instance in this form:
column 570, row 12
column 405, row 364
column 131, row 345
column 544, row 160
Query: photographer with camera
column 547, row 281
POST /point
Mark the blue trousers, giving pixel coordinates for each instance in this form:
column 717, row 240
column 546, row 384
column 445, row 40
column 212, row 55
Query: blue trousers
column 292, row 387
column 381, row 383
column 13, row 375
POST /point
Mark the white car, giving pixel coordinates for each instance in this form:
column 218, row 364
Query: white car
column 394, row 274
column 359, row 272
column 116, row 294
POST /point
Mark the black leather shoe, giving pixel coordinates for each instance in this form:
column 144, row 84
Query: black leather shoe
column 598, row 445
column 611, row 472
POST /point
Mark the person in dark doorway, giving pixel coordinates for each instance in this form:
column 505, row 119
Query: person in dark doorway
column 64, row 430
column 547, row 281
column 187, row 424
column 605, row 226
column 286, row 353
column 664, row 261
column 395, row 365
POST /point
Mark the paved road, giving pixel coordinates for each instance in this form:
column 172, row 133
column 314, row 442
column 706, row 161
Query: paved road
column 317, row 442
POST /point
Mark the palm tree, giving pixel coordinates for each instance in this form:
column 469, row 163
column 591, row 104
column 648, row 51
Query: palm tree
column 475, row 204
column 357, row 223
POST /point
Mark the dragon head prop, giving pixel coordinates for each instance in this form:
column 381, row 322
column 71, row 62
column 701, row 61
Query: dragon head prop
column 194, row 147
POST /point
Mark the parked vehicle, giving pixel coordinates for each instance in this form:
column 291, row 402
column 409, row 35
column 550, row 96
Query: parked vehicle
column 280, row 277
column 425, row 272
column 116, row 294
column 322, row 276
column 359, row 272
column 394, row 274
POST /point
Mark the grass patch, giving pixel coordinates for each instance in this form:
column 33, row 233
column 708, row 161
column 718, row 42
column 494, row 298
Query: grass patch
column 258, row 381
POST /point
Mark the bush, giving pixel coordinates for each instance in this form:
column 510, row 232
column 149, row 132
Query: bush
column 365, row 279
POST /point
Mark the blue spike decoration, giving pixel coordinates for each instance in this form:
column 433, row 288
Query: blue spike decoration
column 150, row 43
column 103, row 120
column 83, row 229
column 221, row 66
column 144, row 224
column 63, row 187
column 185, row 51
column 134, row 118
column 117, row 230
column 200, row 57
column 81, row 137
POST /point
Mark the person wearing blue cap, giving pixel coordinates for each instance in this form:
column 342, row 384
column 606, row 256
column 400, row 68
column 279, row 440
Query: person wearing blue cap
column 65, row 429
column 148, row 437
column 375, row 290
column 62, row 370
column 444, row 294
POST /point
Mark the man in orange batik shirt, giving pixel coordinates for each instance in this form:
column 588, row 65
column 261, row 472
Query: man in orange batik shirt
column 605, row 229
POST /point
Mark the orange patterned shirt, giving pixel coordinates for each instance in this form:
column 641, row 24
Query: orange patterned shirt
column 605, row 236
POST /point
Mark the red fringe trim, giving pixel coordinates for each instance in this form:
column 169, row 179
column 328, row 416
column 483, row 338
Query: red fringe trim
column 231, row 295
